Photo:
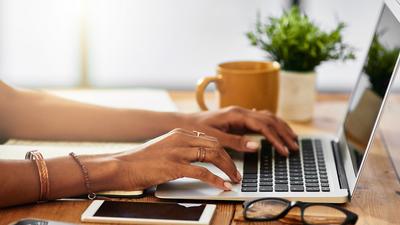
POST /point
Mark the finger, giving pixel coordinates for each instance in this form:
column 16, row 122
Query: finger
column 217, row 157
column 203, row 174
column 193, row 133
column 282, row 129
column 289, row 129
column 187, row 139
column 263, row 114
column 236, row 142
column 285, row 136
column 282, row 149
column 268, row 133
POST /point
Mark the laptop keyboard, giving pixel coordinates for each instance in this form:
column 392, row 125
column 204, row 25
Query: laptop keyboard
column 302, row 171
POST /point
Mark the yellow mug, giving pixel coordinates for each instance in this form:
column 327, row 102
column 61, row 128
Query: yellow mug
column 250, row 84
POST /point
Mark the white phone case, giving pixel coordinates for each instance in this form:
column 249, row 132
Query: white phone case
column 88, row 216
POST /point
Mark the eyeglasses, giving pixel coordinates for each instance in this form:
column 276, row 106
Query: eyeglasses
column 268, row 209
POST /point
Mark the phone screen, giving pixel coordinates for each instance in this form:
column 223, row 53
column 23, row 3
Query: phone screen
column 150, row 210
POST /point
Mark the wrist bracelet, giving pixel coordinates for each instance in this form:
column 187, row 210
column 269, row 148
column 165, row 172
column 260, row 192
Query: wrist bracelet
column 43, row 174
column 85, row 172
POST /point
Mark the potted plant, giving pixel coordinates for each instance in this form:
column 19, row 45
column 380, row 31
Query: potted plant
column 299, row 46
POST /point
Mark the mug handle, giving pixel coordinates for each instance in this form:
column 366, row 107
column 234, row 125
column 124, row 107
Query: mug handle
column 201, row 87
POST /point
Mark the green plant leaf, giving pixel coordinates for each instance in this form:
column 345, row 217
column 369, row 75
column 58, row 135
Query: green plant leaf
column 297, row 43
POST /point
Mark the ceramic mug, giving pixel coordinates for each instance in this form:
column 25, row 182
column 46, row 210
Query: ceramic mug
column 250, row 84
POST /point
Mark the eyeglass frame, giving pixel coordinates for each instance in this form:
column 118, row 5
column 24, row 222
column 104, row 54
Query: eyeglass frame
column 351, row 218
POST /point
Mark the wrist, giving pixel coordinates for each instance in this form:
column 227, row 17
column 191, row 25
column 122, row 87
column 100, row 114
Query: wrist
column 103, row 170
column 176, row 120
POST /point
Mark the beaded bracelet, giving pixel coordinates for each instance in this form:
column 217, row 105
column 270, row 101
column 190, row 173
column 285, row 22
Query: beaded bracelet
column 85, row 172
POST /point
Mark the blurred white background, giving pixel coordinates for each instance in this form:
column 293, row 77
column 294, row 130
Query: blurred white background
column 156, row 43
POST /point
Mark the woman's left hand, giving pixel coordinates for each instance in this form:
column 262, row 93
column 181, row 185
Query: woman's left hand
column 231, row 123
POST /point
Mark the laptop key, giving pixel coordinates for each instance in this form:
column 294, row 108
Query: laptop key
column 296, row 188
column 281, row 187
column 265, row 175
column 324, row 185
column 312, row 189
column 325, row 189
column 280, row 174
column 266, row 188
column 280, row 177
column 312, row 185
column 249, row 184
column 249, row 181
column 324, row 180
column 250, row 175
column 311, row 177
column 296, row 170
column 265, row 179
column 311, row 180
column 266, row 184
column 296, row 183
column 296, row 179
column 249, row 189
column 296, row 174
column 266, row 172
column 281, row 182
column 310, row 172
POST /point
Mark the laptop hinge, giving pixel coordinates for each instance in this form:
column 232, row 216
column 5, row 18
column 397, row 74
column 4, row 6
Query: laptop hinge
column 339, row 167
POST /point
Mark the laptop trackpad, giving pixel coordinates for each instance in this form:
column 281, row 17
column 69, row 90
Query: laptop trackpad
column 192, row 187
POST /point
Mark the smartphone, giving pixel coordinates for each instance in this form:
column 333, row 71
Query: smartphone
column 39, row 222
column 101, row 211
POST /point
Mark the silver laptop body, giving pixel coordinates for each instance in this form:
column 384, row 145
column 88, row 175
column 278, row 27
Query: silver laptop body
column 330, row 170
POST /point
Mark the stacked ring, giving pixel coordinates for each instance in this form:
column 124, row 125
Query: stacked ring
column 201, row 154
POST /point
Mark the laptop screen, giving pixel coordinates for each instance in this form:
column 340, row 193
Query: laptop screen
column 369, row 93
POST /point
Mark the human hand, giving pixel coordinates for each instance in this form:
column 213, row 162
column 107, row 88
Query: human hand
column 229, row 124
column 169, row 157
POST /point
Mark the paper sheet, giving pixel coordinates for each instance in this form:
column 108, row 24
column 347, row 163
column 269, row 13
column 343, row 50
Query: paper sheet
column 150, row 99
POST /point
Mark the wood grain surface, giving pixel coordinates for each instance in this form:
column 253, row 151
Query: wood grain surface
column 376, row 200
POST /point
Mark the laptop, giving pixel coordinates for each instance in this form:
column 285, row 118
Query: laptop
column 327, row 168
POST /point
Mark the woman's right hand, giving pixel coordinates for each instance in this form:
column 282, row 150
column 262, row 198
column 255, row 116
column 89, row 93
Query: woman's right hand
column 170, row 157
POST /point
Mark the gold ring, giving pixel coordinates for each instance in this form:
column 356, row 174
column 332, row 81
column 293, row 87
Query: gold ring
column 198, row 133
column 201, row 154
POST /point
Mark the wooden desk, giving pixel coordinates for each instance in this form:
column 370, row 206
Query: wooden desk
column 375, row 201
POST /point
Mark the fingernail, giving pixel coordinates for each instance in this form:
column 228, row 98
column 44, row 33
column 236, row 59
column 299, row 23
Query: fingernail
column 296, row 145
column 286, row 150
column 228, row 185
column 252, row 145
column 238, row 176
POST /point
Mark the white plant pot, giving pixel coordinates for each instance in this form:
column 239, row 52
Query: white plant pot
column 297, row 95
column 367, row 108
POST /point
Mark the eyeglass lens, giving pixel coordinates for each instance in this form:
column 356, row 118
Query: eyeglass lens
column 321, row 214
column 266, row 209
column 313, row 214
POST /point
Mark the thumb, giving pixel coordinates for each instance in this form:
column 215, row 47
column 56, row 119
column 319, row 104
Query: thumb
column 237, row 142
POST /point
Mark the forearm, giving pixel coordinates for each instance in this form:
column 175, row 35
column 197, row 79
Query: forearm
column 26, row 188
column 37, row 115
